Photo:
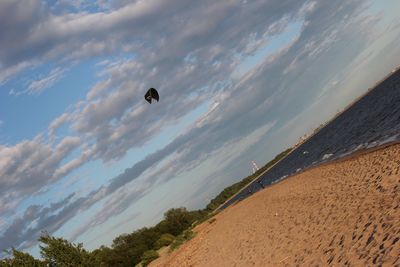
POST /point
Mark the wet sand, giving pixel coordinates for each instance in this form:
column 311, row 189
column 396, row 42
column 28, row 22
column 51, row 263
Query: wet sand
column 345, row 213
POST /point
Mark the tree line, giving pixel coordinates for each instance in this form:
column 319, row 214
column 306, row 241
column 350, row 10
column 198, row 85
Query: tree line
column 139, row 246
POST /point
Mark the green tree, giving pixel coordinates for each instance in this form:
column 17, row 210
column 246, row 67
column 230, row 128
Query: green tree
column 130, row 247
column 178, row 219
column 60, row 252
column 148, row 256
column 105, row 256
column 21, row 259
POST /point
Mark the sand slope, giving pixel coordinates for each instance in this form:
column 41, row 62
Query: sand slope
column 342, row 214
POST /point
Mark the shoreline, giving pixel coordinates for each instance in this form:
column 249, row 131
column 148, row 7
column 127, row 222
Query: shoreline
column 342, row 212
column 350, row 156
column 317, row 130
column 344, row 158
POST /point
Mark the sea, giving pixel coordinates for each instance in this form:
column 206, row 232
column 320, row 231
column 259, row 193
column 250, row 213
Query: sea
column 372, row 121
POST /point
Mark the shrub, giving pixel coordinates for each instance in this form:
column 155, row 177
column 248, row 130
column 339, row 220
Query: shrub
column 164, row 240
column 148, row 256
column 188, row 234
column 182, row 238
column 179, row 240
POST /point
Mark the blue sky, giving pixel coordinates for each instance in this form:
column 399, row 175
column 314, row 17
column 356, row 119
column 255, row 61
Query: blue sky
column 83, row 156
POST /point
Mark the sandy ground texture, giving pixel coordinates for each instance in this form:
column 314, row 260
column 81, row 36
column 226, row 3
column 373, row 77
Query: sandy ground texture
column 345, row 213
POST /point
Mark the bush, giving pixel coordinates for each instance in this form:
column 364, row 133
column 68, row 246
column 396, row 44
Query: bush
column 149, row 256
column 179, row 240
column 165, row 240
column 182, row 238
column 188, row 234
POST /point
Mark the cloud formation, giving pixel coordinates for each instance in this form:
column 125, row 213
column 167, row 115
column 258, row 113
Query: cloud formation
column 29, row 167
column 190, row 51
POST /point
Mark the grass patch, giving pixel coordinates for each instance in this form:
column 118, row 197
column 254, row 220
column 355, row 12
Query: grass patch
column 182, row 238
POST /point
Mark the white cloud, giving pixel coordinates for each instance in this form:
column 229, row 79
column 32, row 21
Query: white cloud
column 57, row 123
column 190, row 60
column 28, row 166
column 37, row 86
column 7, row 73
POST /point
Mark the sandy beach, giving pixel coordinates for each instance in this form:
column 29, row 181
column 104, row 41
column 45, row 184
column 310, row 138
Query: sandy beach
column 345, row 213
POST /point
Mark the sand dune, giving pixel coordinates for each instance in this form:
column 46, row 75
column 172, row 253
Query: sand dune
column 341, row 214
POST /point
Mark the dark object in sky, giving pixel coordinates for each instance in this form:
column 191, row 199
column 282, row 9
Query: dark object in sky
column 151, row 94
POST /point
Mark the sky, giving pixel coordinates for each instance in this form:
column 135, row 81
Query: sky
column 83, row 156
